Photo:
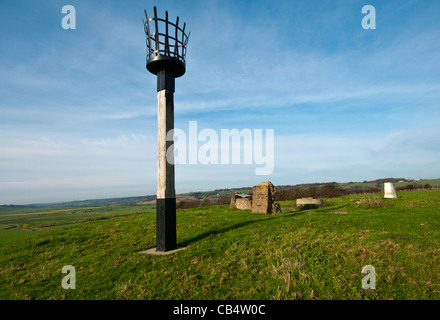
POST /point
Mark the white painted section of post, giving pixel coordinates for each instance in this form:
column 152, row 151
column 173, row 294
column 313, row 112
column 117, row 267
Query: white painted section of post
column 165, row 122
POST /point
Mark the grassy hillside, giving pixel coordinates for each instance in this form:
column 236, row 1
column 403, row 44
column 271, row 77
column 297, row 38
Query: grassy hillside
column 232, row 254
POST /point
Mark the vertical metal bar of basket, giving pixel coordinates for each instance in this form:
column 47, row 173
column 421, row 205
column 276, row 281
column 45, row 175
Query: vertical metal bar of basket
column 167, row 45
column 186, row 42
column 183, row 42
column 156, row 34
column 176, row 43
column 148, row 37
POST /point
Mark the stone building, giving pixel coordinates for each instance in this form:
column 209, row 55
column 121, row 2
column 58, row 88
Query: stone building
column 263, row 198
column 241, row 201
column 261, row 201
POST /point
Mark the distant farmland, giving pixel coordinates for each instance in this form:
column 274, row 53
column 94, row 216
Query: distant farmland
column 20, row 222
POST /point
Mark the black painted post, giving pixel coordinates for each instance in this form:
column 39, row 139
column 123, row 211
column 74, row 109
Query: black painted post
column 166, row 59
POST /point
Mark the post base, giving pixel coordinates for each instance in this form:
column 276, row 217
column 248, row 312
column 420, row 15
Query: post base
column 154, row 252
column 166, row 224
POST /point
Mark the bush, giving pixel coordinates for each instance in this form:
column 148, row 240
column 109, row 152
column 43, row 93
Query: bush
column 410, row 187
column 187, row 204
column 329, row 190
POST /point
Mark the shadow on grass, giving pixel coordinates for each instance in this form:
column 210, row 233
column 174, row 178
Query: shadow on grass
column 237, row 226
column 332, row 208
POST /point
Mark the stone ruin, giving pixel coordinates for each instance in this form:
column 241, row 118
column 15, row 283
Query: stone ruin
column 262, row 200
column 241, row 201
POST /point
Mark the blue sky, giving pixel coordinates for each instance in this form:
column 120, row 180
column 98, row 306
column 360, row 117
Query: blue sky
column 78, row 108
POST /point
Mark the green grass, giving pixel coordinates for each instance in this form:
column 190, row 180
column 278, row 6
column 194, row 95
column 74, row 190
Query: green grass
column 233, row 254
column 12, row 235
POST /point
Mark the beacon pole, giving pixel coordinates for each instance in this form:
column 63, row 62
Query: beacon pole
column 166, row 52
column 166, row 195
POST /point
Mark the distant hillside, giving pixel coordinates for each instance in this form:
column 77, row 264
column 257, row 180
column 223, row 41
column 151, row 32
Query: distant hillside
column 218, row 193
column 378, row 183
column 111, row 201
column 93, row 202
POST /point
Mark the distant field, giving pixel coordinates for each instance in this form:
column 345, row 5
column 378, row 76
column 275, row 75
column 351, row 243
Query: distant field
column 17, row 223
column 433, row 183
column 233, row 254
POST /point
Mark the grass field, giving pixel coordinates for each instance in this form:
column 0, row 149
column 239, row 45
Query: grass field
column 232, row 254
column 12, row 235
